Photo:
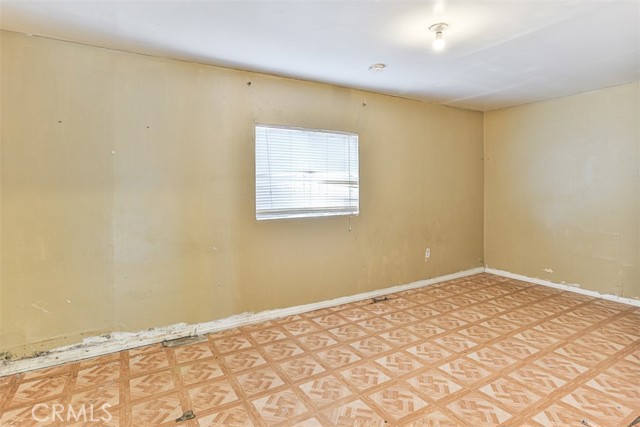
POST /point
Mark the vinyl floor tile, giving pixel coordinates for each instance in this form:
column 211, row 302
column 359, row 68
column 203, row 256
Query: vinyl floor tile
column 480, row 351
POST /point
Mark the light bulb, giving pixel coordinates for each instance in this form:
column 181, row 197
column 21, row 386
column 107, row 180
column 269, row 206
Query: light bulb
column 438, row 43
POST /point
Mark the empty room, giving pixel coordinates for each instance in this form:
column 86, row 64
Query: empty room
column 319, row 213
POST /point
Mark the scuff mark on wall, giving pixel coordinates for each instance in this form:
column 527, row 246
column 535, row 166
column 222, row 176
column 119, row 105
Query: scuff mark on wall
column 39, row 307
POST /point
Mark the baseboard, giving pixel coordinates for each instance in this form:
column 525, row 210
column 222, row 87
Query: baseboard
column 571, row 288
column 118, row 341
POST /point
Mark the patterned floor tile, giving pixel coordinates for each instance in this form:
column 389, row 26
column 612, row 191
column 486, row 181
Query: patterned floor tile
column 47, row 372
column 311, row 422
column 489, row 308
column 425, row 329
column 399, row 363
column 375, row 324
column 399, row 318
column 516, row 348
column 30, row 416
column 578, row 324
column 282, row 350
column 325, row 390
column 235, row 416
column 625, row 369
column 301, row 367
column 259, row 381
column 506, row 303
column 470, row 315
column 401, row 303
column 465, row 371
column 422, row 298
column 398, row 401
column 599, row 343
column 244, row 360
column 555, row 329
column 354, row 414
column 329, row 321
column 561, row 416
column 592, row 313
column 200, row 372
column 492, row 359
column 355, row 314
column 98, row 374
column 400, row 337
column 190, row 353
column 147, row 362
column 379, row 308
column 634, row 357
column 423, row 312
column 38, row 389
column 317, row 341
column 300, row 327
column 479, row 334
column 510, row 394
column 154, row 412
column 455, row 342
column 625, row 391
column 581, row 355
column 435, row 419
column 338, row 357
column 537, row 379
column 478, row 411
column 536, row 338
column 434, row 384
column 471, row 352
column 212, row 394
column 280, row 407
column 549, row 306
column 347, row 332
column 611, row 333
column 151, row 384
column 370, row 346
column 105, row 394
column 499, row 325
column 101, row 417
column 268, row 335
column 448, row 322
column 625, row 326
column 560, row 366
column 148, row 349
column 232, row 343
column 429, row 353
column 364, row 376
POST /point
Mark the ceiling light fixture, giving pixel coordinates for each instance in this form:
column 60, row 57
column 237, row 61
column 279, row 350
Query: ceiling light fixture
column 377, row 68
column 438, row 42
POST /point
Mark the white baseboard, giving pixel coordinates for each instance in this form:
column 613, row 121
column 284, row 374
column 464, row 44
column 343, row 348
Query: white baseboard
column 571, row 288
column 118, row 341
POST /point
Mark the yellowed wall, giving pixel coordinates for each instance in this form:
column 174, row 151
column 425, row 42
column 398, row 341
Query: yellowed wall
column 128, row 193
column 562, row 190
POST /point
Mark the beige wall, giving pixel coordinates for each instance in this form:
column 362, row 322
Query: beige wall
column 128, row 194
column 562, row 190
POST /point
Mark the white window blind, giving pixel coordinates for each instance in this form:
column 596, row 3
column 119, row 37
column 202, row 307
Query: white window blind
column 305, row 173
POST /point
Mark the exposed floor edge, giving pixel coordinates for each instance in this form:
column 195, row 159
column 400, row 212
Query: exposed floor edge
column 570, row 288
column 99, row 346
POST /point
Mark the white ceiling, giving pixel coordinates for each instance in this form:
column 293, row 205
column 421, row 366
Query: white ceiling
column 499, row 53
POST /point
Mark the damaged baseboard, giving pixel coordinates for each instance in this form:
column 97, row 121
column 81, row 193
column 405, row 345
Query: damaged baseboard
column 118, row 341
column 571, row 288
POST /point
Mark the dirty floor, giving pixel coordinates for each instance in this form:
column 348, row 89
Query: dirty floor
column 473, row 352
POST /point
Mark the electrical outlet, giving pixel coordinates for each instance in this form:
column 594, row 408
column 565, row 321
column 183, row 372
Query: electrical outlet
column 427, row 254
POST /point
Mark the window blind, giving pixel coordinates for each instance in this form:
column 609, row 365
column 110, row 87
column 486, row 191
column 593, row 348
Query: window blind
column 305, row 173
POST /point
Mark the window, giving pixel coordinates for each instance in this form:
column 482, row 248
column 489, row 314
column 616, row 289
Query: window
column 305, row 173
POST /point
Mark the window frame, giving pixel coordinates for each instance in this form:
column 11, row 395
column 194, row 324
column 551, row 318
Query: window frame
column 303, row 212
